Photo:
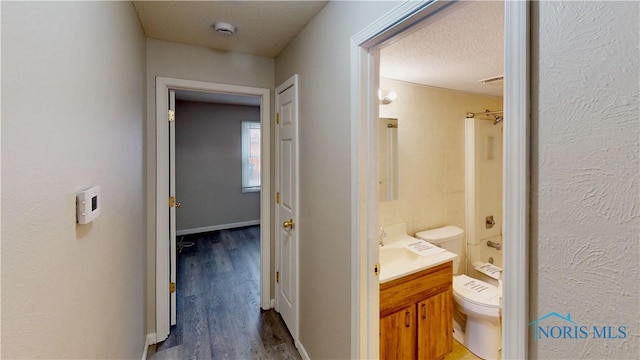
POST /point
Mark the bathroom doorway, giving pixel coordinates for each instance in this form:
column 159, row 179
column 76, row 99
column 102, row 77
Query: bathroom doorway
column 367, row 47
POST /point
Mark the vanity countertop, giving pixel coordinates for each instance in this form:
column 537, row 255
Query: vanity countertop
column 396, row 261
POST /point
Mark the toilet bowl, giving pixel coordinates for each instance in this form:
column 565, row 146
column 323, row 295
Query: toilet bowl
column 478, row 300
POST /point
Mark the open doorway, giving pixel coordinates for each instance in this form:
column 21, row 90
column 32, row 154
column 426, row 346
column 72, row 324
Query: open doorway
column 430, row 79
column 166, row 244
column 217, row 192
column 218, row 147
column 366, row 47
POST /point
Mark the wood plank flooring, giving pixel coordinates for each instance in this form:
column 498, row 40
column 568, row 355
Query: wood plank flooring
column 218, row 303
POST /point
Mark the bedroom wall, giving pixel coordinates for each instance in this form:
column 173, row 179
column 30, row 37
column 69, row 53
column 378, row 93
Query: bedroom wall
column 209, row 167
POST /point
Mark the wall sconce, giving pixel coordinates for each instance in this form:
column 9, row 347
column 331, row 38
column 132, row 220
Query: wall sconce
column 386, row 97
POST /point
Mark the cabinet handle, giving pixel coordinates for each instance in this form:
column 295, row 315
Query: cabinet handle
column 424, row 311
column 407, row 319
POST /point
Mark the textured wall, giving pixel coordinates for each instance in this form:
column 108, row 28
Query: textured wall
column 585, row 173
column 72, row 117
column 209, row 165
column 320, row 54
column 431, row 145
column 193, row 63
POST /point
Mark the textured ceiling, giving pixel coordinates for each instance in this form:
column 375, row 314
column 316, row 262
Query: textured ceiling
column 452, row 49
column 264, row 28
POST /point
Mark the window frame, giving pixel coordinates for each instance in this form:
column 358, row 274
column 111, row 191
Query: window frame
column 246, row 126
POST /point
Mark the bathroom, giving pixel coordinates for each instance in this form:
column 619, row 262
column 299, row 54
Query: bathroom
column 441, row 156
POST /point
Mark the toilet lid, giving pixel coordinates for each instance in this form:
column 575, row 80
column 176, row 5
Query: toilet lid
column 476, row 291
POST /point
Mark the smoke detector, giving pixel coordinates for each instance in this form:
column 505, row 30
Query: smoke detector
column 224, row 28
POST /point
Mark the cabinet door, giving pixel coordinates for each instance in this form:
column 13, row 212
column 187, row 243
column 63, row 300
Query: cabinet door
column 398, row 334
column 435, row 326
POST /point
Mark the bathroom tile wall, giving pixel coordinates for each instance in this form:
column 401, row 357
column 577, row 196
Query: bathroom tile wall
column 431, row 153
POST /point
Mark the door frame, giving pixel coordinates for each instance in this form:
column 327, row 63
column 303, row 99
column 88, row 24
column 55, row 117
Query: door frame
column 163, row 84
column 364, row 111
column 290, row 82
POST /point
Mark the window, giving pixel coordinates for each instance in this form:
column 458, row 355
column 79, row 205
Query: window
column 250, row 156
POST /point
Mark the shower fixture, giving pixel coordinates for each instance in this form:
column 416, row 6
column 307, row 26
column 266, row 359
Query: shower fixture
column 496, row 116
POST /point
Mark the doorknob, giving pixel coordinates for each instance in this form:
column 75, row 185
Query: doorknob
column 289, row 224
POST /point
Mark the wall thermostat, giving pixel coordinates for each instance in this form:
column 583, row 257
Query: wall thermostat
column 88, row 205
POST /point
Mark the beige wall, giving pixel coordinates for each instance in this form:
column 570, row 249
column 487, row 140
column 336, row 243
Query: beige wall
column 72, row 118
column 431, row 149
column 585, row 173
column 320, row 54
column 180, row 61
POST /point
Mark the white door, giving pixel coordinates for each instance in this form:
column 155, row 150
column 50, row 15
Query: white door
column 287, row 203
column 172, row 204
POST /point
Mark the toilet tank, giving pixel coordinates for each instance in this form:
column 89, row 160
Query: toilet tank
column 449, row 238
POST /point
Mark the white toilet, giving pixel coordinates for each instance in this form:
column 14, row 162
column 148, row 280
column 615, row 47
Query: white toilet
column 477, row 299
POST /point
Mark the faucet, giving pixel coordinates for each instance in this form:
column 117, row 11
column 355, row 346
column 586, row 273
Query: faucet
column 495, row 245
column 381, row 235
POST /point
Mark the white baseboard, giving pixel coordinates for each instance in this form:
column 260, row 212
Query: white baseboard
column 217, row 227
column 149, row 340
column 302, row 351
column 273, row 304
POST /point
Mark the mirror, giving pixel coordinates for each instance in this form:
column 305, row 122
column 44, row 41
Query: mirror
column 388, row 161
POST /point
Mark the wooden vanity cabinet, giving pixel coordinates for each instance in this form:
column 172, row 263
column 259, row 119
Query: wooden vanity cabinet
column 416, row 315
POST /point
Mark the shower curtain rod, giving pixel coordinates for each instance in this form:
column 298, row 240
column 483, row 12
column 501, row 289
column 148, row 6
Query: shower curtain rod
column 470, row 114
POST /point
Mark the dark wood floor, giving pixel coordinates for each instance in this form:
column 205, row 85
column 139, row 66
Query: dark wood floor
column 218, row 303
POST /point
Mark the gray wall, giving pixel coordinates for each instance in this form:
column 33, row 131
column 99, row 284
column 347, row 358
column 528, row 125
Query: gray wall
column 193, row 63
column 320, row 54
column 585, row 228
column 209, row 165
column 72, row 117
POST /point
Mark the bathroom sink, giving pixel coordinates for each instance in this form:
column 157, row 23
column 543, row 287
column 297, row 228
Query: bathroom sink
column 396, row 261
column 390, row 256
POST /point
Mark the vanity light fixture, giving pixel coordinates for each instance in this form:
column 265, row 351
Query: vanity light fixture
column 386, row 97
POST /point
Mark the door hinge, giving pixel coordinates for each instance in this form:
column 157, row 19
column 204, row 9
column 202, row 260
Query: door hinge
column 376, row 269
column 172, row 115
column 278, row 198
column 277, row 118
column 172, row 201
column 277, row 276
column 172, row 287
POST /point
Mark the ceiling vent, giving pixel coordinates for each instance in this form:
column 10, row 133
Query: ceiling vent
column 495, row 80
column 224, row 28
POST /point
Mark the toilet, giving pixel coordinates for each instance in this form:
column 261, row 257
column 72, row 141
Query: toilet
column 477, row 299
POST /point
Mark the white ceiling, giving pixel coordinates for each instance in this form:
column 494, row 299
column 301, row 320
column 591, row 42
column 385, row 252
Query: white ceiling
column 264, row 28
column 452, row 49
